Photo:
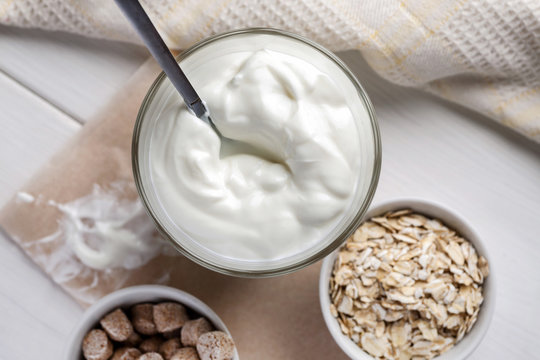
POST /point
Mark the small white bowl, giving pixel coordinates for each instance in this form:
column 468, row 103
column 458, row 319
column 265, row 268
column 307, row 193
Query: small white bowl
column 131, row 296
column 450, row 218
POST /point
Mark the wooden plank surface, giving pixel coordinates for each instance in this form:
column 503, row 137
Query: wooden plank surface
column 37, row 316
column 34, row 309
column 74, row 73
column 31, row 131
column 431, row 149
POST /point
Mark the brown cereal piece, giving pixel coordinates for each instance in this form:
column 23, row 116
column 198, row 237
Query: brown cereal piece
column 142, row 316
column 151, row 344
column 150, row 356
column 126, row 353
column 215, row 345
column 169, row 316
column 96, row 345
column 133, row 340
column 169, row 347
column 172, row 334
column 193, row 329
column 187, row 353
column 117, row 325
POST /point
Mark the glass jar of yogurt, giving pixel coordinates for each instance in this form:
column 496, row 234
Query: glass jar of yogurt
column 239, row 213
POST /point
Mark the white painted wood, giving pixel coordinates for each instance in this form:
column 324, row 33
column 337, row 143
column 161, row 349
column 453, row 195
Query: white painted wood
column 74, row 73
column 37, row 316
column 31, row 130
column 431, row 149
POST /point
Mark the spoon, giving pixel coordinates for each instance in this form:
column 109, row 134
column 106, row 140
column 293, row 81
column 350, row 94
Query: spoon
column 135, row 13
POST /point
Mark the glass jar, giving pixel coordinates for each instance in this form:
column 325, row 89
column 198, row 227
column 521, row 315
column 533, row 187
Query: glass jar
column 366, row 125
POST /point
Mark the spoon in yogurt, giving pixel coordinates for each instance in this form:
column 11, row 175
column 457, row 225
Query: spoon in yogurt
column 135, row 13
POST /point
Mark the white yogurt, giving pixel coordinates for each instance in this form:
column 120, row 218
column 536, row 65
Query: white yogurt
column 107, row 232
column 242, row 206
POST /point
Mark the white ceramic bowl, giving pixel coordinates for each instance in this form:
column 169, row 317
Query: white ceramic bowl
column 450, row 218
column 131, row 296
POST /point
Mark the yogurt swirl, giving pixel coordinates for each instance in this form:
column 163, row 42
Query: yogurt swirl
column 246, row 207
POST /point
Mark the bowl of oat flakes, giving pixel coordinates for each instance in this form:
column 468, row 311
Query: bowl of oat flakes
column 414, row 281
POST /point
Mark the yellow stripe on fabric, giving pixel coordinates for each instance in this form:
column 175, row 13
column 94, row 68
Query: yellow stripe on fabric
column 195, row 14
column 376, row 32
column 488, row 81
column 532, row 132
column 202, row 33
column 394, row 50
column 526, row 116
column 7, row 4
column 399, row 62
column 398, row 65
column 395, row 62
column 430, row 31
column 373, row 34
column 411, row 23
column 466, row 66
column 90, row 19
column 164, row 17
column 520, row 96
column 441, row 88
column 175, row 33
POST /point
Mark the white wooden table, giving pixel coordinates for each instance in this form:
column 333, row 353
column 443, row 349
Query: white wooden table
column 51, row 83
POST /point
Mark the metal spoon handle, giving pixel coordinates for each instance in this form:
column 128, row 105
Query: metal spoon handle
column 135, row 13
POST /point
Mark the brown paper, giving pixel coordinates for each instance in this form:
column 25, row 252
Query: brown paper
column 276, row 318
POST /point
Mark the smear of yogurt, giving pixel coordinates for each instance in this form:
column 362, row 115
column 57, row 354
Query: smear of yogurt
column 24, row 197
column 106, row 232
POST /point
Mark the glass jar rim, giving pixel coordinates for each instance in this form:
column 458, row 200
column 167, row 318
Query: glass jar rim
column 348, row 230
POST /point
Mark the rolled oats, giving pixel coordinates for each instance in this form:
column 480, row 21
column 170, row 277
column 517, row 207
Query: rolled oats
column 406, row 287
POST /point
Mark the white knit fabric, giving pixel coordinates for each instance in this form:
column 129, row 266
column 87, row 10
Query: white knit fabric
column 484, row 54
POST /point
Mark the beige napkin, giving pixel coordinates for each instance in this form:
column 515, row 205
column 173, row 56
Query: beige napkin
column 483, row 54
column 277, row 318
